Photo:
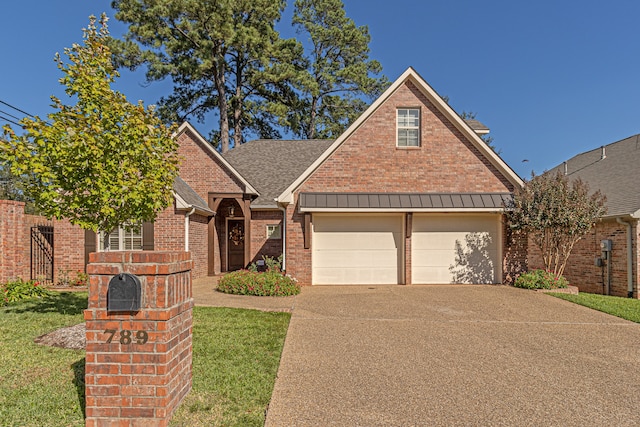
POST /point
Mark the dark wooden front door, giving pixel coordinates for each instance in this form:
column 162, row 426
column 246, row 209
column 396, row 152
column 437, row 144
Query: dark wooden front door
column 235, row 244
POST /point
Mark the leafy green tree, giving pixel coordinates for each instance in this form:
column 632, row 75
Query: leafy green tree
column 223, row 56
column 555, row 213
column 339, row 73
column 101, row 162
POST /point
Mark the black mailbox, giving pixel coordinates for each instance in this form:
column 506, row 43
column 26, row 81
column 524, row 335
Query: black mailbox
column 124, row 293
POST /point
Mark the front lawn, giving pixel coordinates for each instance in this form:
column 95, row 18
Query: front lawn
column 626, row 308
column 236, row 354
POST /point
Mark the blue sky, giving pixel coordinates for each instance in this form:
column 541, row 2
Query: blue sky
column 550, row 78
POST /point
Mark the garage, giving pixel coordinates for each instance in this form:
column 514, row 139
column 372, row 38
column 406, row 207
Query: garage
column 356, row 249
column 456, row 248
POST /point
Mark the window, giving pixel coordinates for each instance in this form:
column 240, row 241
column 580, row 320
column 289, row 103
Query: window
column 122, row 239
column 273, row 231
column 408, row 127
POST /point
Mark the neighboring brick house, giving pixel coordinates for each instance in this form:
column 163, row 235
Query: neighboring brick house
column 612, row 169
column 408, row 194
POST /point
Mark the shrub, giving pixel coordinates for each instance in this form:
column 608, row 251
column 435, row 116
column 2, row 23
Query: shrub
column 65, row 280
column 18, row 289
column 268, row 283
column 540, row 279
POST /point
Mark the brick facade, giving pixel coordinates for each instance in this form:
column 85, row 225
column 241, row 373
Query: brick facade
column 15, row 244
column 369, row 161
column 581, row 270
column 133, row 381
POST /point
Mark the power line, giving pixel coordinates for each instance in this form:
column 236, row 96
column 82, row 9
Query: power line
column 10, row 121
column 10, row 115
column 15, row 108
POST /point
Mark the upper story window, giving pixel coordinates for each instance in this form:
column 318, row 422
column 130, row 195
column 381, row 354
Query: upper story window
column 408, row 126
column 122, row 239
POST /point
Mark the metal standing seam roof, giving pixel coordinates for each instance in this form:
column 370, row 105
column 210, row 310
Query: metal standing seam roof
column 404, row 201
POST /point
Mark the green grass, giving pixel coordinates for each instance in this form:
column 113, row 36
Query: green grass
column 40, row 385
column 236, row 354
column 626, row 308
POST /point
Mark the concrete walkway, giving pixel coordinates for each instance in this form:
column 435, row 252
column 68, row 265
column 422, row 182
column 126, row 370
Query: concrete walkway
column 451, row 356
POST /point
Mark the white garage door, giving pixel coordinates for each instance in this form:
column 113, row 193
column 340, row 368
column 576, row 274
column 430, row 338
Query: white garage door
column 357, row 249
column 456, row 249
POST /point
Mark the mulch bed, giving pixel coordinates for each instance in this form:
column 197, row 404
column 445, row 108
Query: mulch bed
column 73, row 337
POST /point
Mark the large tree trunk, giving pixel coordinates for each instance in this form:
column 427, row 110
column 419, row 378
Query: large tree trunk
column 219, row 79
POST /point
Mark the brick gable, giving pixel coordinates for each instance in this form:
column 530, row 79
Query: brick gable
column 202, row 170
column 369, row 161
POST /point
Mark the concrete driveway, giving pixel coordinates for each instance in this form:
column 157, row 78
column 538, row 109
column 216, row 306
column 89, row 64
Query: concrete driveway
column 454, row 355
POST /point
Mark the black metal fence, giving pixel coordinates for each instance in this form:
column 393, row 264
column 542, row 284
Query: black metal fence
column 42, row 253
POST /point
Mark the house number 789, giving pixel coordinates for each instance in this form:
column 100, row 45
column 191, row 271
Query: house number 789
column 128, row 337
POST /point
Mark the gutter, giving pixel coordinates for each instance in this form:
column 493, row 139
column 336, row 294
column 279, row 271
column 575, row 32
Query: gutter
column 629, row 256
column 283, row 209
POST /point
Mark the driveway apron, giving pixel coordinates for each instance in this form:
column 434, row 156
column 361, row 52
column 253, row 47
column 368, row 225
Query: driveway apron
column 454, row 355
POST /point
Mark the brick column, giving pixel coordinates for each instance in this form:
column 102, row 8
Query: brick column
column 138, row 372
column 12, row 241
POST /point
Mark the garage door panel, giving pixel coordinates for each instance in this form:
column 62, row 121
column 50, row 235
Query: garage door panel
column 357, row 249
column 456, row 249
column 356, row 276
column 349, row 259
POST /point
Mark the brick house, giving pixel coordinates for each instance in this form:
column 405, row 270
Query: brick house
column 408, row 194
column 612, row 169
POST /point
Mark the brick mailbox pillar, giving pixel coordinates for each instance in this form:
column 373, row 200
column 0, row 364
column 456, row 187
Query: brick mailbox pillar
column 138, row 364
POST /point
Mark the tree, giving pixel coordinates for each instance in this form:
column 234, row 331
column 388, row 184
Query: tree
column 223, row 56
column 556, row 213
column 339, row 73
column 102, row 162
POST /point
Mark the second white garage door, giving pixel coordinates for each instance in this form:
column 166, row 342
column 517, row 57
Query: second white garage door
column 456, row 248
column 357, row 249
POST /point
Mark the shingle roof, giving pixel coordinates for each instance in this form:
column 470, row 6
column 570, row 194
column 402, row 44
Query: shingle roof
column 477, row 125
column 272, row 165
column 404, row 201
column 186, row 193
column 616, row 175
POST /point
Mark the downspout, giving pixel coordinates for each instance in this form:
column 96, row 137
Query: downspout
column 186, row 229
column 283, row 209
column 629, row 257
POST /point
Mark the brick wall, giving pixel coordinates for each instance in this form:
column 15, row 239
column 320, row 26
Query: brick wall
column 15, row 244
column 581, row 270
column 369, row 161
column 131, row 381
column 260, row 245
column 198, row 228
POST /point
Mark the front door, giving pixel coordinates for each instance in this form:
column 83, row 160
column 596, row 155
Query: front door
column 235, row 244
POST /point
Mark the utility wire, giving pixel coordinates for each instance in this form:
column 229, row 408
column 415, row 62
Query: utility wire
column 10, row 115
column 10, row 121
column 15, row 108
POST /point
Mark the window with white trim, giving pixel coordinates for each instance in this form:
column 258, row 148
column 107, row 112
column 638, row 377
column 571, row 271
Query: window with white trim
column 122, row 239
column 273, row 231
column 408, row 125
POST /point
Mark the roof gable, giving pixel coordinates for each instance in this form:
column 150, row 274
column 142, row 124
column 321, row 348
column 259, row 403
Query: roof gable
column 409, row 76
column 186, row 127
